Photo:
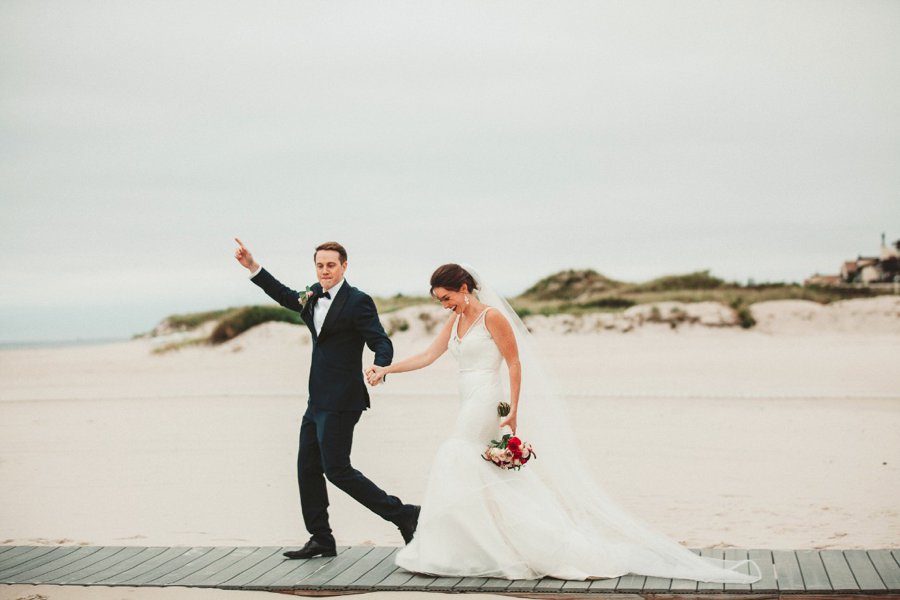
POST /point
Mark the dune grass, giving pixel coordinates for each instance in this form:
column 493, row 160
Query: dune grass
column 569, row 292
column 241, row 319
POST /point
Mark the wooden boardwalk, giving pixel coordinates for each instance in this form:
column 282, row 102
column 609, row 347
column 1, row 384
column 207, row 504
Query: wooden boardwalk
column 800, row 573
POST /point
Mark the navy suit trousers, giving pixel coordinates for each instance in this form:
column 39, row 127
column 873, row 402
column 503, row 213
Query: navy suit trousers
column 326, row 437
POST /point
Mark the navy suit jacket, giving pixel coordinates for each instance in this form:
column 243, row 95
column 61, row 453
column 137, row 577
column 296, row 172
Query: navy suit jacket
column 336, row 371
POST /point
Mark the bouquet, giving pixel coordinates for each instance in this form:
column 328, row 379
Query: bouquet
column 509, row 452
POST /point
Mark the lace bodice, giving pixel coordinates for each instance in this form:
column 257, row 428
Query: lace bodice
column 476, row 350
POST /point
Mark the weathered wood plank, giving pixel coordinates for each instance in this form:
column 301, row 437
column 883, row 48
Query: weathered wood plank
column 169, row 566
column 358, row 569
column 378, row 574
column 247, row 576
column 40, row 571
column 816, row 574
column 191, row 567
column 738, row 554
column 418, row 582
column 25, row 553
column 206, row 576
column 123, row 564
column 576, row 586
column 283, row 576
column 548, row 585
column 19, row 555
column 98, row 564
column 17, row 551
column 467, row 584
column 708, row 585
column 656, row 584
column 244, row 564
column 129, row 563
column 291, row 569
column 887, row 567
column 787, row 570
column 85, row 559
column 495, row 584
column 443, row 584
column 36, row 565
column 315, row 579
column 863, row 570
column 630, row 583
column 815, row 578
column 398, row 577
column 522, row 585
column 768, row 584
column 607, row 583
column 130, row 575
column 839, row 574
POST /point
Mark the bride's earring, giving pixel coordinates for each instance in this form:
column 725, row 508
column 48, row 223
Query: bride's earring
column 466, row 298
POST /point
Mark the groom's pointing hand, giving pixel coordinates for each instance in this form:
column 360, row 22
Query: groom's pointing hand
column 244, row 257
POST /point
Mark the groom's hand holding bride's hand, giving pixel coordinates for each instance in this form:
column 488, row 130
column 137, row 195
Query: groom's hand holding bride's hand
column 375, row 375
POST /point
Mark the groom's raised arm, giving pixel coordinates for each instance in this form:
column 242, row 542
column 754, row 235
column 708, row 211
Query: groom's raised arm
column 277, row 291
column 368, row 324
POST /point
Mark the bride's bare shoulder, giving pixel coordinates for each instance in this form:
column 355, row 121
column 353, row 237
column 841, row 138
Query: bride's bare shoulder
column 494, row 318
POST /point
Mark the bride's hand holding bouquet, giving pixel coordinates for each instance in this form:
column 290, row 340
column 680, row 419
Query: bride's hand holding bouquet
column 509, row 452
column 509, row 421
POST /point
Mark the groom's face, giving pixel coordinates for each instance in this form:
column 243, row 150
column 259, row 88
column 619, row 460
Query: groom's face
column 329, row 269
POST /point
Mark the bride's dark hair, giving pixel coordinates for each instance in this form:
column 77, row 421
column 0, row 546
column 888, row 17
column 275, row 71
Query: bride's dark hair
column 452, row 276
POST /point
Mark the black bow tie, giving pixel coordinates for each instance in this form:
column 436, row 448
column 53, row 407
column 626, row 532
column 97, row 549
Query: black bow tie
column 325, row 295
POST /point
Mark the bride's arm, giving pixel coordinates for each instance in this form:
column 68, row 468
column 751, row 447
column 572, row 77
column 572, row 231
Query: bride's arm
column 503, row 335
column 375, row 374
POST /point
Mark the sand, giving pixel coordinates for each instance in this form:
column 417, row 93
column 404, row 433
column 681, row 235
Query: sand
column 716, row 436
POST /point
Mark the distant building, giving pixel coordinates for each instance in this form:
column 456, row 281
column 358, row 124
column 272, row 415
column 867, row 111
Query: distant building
column 884, row 268
column 848, row 271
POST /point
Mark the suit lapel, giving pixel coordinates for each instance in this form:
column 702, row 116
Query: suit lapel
column 337, row 304
column 307, row 312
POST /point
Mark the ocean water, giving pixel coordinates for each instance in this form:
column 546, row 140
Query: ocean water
column 18, row 345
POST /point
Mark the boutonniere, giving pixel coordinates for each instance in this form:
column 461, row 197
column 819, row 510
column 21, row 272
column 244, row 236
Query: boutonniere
column 305, row 297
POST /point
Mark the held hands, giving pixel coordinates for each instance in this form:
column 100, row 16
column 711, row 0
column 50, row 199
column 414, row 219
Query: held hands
column 375, row 375
column 244, row 257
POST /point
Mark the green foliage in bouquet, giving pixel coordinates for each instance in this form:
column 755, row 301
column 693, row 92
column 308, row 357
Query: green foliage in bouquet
column 502, row 443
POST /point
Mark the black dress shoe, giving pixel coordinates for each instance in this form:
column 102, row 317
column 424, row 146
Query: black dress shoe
column 408, row 524
column 311, row 549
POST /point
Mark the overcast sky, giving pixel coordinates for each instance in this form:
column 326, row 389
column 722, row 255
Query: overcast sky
column 755, row 139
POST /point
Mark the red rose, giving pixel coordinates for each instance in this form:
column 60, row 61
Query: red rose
column 514, row 442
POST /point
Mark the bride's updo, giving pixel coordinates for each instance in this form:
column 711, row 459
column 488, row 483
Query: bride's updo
column 452, row 277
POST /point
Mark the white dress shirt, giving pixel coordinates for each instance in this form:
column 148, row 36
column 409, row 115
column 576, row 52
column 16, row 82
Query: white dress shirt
column 320, row 310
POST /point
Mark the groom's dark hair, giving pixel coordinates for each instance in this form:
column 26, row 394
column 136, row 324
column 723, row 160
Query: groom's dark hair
column 332, row 246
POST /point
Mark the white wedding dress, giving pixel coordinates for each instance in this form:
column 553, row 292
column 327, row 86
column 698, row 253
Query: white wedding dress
column 543, row 520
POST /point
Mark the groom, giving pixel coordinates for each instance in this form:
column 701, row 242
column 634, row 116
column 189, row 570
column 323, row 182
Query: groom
column 341, row 319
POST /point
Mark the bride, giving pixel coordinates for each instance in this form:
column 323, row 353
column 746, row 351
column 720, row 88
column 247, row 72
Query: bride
column 550, row 518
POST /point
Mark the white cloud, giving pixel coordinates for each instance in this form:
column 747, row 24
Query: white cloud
column 758, row 139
